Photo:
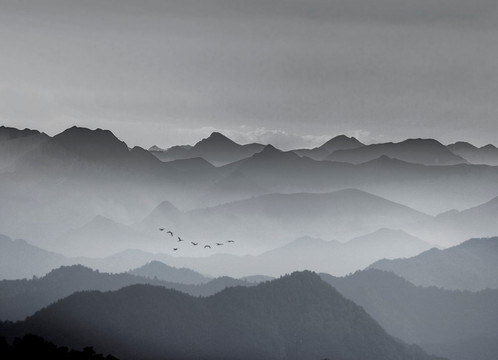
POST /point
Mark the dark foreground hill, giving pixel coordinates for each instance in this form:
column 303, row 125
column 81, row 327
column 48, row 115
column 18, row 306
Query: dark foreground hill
column 35, row 347
column 298, row 316
column 460, row 325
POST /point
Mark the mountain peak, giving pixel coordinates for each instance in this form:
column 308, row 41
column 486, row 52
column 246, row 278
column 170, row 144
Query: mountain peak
column 9, row 133
column 93, row 144
column 216, row 139
column 489, row 147
column 155, row 148
column 461, row 145
column 270, row 152
column 341, row 142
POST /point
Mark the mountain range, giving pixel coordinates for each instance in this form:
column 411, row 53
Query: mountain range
column 297, row 315
column 459, row 325
column 22, row 298
column 471, row 265
column 217, row 149
column 299, row 254
column 104, row 177
column 186, row 252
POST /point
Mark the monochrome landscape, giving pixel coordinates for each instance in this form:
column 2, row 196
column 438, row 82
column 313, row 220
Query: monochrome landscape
column 271, row 254
column 249, row 179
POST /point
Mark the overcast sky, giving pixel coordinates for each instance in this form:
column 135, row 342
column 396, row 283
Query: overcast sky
column 290, row 72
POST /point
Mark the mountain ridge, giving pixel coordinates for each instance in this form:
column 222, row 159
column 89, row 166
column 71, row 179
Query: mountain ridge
column 237, row 323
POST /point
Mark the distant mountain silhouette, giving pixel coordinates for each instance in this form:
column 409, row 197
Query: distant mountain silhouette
column 453, row 324
column 487, row 154
column 103, row 237
column 271, row 153
column 165, row 215
column 18, row 259
column 57, row 185
column 334, row 257
column 298, row 315
column 472, row 265
column 161, row 271
column 92, row 147
column 340, row 142
column 14, row 144
column 453, row 227
column 303, row 253
column 234, row 186
column 217, row 149
column 9, row 133
column 275, row 218
column 388, row 243
column 420, row 151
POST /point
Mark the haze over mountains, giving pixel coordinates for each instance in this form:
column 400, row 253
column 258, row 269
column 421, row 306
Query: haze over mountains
column 91, row 168
column 86, row 212
column 472, row 265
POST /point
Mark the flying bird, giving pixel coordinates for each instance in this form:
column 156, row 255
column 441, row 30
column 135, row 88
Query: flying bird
column 207, row 246
column 230, row 241
column 219, row 244
column 170, row 232
column 174, row 249
column 161, row 229
column 180, row 239
column 194, row 243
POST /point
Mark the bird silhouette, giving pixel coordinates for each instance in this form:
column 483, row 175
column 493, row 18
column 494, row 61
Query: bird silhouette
column 170, row 232
column 161, row 229
column 230, row 241
column 219, row 244
column 207, row 246
column 174, row 249
column 194, row 243
column 180, row 239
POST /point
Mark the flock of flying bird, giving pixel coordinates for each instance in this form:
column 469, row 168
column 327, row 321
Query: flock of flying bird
column 193, row 243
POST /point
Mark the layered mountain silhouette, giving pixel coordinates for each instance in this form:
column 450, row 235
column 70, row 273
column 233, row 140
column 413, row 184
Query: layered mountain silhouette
column 472, row 265
column 97, row 147
column 420, row 151
column 22, row 298
column 340, row 142
column 303, row 253
column 85, row 173
column 14, row 144
column 456, row 226
column 18, row 259
column 296, row 315
column 217, row 149
column 104, row 237
column 10, row 133
column 452, row 324
column 487, row 154
column 300, row 254
column 161, row 271
column 276, row 218
column 255, row 213
column 335, row 257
